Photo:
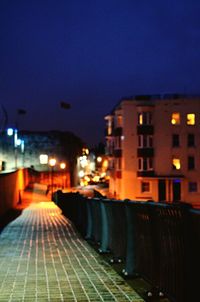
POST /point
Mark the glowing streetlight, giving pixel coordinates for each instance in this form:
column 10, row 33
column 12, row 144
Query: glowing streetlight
column 62, row 166
column 10, row 131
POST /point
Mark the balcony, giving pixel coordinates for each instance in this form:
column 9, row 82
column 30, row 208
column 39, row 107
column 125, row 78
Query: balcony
column 118, row 131
column 145, row 152
column 117, row 153
column 108, row 133
column 145, row 129
column 148, row 173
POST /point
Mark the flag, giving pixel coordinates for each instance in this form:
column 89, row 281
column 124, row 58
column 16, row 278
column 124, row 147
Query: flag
column 21, row 111
column 65, row 105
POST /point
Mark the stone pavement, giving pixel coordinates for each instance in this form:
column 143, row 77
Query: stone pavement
column 43, row 258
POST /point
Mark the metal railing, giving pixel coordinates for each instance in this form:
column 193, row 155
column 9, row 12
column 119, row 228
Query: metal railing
column 159, row 242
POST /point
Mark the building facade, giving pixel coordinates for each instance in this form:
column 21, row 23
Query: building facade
column 153, row 144
column 38, row 148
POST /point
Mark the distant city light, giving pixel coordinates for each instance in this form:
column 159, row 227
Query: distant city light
column 52, row 162
column 10, row 131
column 19, row 142
column 62, row 166
column 83, row 161
column 81, row 173
column 99, row 159
column 43, row 159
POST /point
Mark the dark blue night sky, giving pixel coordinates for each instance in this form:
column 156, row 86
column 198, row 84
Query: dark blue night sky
column 90, row 54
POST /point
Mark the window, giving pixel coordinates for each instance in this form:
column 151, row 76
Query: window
column 191, row 140
column 118, row 164
column 145, row 141
column 191, row 162
column 118, row 144
column 192, row 186
column 175, row 140
column 145, row 186
column 118, row 120
column 109, row 127
column 145, row 164
column 175, row 119
column 176, row 164
column 145, row 118
column 190, row 119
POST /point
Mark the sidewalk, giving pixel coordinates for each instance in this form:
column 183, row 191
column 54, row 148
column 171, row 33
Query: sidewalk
column 42, row 258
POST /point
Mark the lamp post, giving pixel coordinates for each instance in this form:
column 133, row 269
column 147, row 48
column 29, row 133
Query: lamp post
column 63, row 166
column 52, row 163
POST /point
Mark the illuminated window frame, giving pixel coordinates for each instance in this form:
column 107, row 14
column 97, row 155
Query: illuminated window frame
column 109, row 127
column 191, row 119
column 176, row 163
column 145, row 164
column 175, row 118
column 145, row 141
column 145, row 118
column 119, row 120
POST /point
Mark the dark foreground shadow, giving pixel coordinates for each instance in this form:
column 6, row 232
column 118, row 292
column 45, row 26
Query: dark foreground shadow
column 9, row 216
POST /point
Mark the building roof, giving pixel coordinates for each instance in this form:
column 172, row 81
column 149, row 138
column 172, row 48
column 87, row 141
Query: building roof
column 153, row 97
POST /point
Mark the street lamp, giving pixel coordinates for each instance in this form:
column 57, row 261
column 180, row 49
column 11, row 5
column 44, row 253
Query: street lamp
column 62, row 167
column 52, row 163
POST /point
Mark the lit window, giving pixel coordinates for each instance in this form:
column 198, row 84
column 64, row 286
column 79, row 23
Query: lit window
column 119, row 121
column 145, row 118
column 190, row 119
column 145, row 186
column 140, row 119
column 192, row 186
column 175, row 120
column 176, row 163
column 109, row 127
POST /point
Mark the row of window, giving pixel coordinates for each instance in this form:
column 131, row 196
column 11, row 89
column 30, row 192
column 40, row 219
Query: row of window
column 176, row 119
column 176, row 163
column 146, row 163
column 145, row 118
column 192, row 186
column 190, row 140
column 146, row 141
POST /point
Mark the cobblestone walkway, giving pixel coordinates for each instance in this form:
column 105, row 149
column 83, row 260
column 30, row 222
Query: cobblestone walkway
column 42, row 258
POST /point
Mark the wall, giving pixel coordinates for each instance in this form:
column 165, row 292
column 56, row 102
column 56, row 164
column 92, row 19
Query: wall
column 11, row 184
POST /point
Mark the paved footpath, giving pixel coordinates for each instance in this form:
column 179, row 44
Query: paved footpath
column 43, row 258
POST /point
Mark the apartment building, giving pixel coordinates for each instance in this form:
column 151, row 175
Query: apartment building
column 153, row 144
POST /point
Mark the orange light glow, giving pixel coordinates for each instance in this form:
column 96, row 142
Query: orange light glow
column 176, row 163
column 62, row 166
column 175, row 120
column 52, row 162
column 190, row 119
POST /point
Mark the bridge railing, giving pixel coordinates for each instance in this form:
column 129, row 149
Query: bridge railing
column 159, row 242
